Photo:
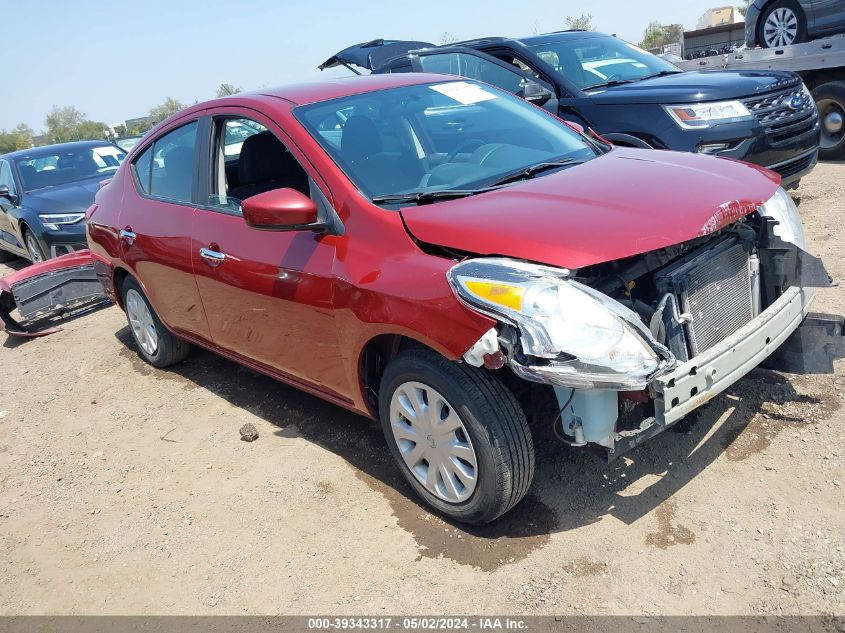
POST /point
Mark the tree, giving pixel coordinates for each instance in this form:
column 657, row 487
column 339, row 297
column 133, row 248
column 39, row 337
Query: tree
column 657, row 35
column 163, row 110
column 62, row 123
column 583, row 22
column 227, row 90
column 448, row 38
column 743, row 8
column 23, row 136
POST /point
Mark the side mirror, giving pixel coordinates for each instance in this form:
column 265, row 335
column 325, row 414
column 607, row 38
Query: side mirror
column 535, row 93
column 5, row 193
column 281, row 210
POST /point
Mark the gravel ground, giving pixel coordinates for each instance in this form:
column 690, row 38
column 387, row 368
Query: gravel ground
column 125, row 489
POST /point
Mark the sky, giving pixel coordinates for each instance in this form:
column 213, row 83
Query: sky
column 115, row 60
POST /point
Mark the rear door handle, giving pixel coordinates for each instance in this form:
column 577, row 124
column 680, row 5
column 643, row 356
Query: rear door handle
column 212, row 258
column 128, row 235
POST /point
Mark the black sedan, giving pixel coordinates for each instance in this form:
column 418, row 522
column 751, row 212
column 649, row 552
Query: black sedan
column 44, row 193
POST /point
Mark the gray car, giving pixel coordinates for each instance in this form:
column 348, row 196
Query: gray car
column 773, row 23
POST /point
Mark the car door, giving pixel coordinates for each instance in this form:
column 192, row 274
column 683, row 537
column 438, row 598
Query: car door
column 155, row 226
column 267, row 294
column 825, row 16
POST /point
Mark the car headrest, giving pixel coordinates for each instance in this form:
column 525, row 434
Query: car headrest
column 264, row 158
column 360, row 139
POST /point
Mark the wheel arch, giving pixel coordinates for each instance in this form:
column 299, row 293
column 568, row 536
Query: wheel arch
column 374, row 357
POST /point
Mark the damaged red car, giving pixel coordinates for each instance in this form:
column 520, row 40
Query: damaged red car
column 455, row 262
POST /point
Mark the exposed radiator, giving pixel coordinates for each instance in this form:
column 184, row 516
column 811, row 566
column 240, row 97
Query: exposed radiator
column 718, row 287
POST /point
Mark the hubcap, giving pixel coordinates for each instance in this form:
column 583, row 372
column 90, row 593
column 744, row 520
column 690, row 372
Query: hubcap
column 781, row 27
column 33, row 248
column 832, row 115
column 141, row 321
column 433, row 442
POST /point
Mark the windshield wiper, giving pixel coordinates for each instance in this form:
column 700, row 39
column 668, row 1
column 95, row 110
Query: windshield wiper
column 532, row 170
column 662, row 73
column 426, row 197
column 609, row 84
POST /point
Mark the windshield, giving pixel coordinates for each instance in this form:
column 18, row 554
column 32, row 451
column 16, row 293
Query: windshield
column 437, row 137
column 63, row 166
column 592, row 62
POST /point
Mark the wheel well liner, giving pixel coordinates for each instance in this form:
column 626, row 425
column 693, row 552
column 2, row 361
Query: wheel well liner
column 374, row 358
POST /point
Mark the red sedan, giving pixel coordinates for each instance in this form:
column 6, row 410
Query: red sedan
column 449, row 259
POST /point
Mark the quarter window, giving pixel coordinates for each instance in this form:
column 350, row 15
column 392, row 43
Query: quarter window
column 166, row 168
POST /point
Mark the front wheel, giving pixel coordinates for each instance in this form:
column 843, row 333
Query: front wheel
column 830, row 100
column 36, row 255
column 458, row 434
column 155, row 343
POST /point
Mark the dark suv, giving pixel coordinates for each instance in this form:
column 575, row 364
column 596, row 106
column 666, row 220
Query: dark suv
column 628, row 95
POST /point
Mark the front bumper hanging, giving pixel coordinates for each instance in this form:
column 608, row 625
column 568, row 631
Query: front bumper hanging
column 61, row 287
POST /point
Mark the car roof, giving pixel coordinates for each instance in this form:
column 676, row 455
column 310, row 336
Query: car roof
column 305, row 93
column 49, row 150
column 559, row 36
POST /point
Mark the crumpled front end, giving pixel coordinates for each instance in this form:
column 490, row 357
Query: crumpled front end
column 629, row 347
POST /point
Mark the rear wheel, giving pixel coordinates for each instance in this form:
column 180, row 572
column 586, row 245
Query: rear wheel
column 155, row 343
column 36, row 255
column 783, row 23
column 830, row 100
column 458, row 435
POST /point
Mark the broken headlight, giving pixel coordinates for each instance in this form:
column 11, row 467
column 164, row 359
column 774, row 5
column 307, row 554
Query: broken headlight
column 580, row 337
column 781, row 207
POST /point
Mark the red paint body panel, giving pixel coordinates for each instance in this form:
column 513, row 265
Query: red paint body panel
column 71, row 260
column 301, row 306
column 624, row 203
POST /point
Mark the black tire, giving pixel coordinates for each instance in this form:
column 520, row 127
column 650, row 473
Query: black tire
column 791, row 5
column 493, row 419
column 170, row 349
column 830, row 98
column 30, row 242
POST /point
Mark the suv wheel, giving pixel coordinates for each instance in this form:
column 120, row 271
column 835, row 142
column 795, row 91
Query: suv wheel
column 782, row 23
column 458, row 434
column 830, row 99
column 155, row 343
column 36, row 255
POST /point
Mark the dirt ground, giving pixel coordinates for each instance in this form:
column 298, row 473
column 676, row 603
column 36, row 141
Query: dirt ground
column 125, row 489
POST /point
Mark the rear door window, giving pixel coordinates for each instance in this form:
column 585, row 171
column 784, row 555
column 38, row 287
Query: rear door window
column 166, row 169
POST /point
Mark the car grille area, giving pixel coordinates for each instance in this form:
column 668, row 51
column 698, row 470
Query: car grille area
column 781, row 109
column 717, row 291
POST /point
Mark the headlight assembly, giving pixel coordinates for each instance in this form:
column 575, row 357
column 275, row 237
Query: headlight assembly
column 704, row 115
column 573, row 335
column 54, row 221
column 781, row 207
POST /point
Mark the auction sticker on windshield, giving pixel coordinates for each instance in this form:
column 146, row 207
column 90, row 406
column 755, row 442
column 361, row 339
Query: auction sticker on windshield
column 464, row 93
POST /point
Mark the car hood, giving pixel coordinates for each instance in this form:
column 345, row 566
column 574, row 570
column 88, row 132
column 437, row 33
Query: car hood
column 73, row 197
column 696, row 86
column 624, row 203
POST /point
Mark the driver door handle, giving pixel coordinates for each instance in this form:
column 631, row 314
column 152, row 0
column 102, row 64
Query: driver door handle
column 128, row 235
column 212, row 258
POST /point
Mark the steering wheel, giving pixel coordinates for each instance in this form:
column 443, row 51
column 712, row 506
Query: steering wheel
column 473, row 143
